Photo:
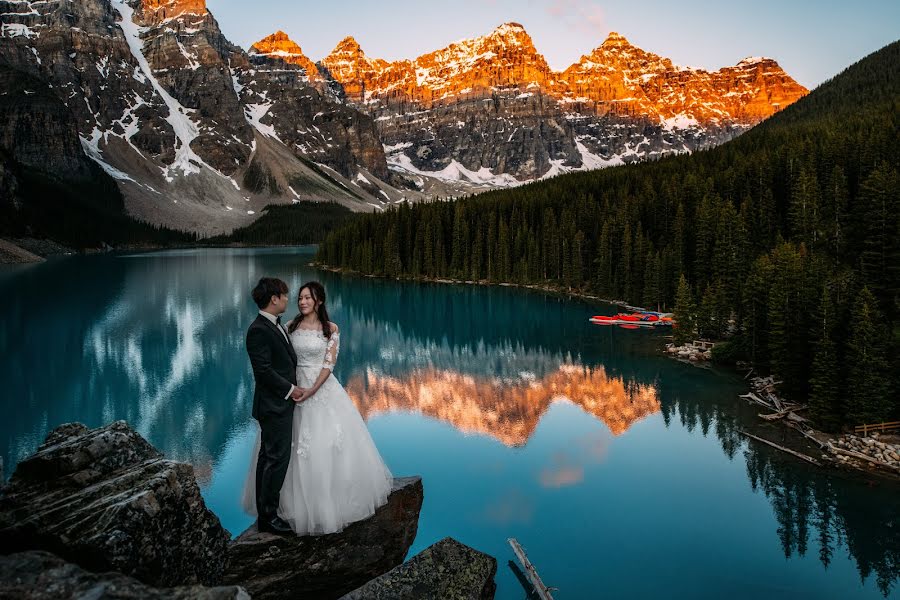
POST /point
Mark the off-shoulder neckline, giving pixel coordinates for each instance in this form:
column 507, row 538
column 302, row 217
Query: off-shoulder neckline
column 319, row 331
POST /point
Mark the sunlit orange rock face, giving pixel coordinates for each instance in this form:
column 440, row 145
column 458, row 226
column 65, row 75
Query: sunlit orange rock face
column 616, row 77
column 620, row 78
column 349, row 65
column 163, row 10
column 505, row 57
column 508, row 412
column 279, row 45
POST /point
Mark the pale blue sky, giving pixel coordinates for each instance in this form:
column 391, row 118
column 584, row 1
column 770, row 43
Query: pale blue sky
column 811, row 40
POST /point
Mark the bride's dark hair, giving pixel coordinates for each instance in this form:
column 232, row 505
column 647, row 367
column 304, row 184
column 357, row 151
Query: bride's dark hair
column 317, row 291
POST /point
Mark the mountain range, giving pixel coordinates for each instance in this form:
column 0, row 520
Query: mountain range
column 200, row 135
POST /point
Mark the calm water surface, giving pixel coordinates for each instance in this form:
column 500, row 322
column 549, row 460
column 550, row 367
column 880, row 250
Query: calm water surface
column 621, row 472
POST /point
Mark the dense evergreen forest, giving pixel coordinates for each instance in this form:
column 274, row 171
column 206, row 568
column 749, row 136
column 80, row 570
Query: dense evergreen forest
column 301, row 223
column 785, row 241
column 78, row 214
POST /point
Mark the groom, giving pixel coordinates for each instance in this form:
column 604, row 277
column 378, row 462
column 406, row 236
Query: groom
column 275, row 373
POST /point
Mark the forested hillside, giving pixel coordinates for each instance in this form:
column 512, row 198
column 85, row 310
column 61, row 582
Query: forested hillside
column 301, row 223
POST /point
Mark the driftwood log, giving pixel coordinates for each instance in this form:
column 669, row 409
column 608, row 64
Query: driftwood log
column 799, row 455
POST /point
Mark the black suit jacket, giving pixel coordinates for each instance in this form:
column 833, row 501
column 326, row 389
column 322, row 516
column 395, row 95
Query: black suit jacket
column 274, row 369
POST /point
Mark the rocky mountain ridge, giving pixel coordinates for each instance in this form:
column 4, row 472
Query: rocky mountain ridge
column 617, row 104
column 200, row 135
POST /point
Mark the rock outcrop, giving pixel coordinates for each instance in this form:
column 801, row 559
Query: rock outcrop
column 40, row 145
column 39, row 131
column 327, row 566
column 279, row 46
column 107, row 500
column 38, row 575
column 447, row 569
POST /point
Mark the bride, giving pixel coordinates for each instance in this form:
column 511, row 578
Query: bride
column 336, row 475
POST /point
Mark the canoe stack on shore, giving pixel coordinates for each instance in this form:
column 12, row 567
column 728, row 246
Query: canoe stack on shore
column 102, row 509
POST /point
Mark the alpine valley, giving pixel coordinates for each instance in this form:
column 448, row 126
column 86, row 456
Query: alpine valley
column 149, row 100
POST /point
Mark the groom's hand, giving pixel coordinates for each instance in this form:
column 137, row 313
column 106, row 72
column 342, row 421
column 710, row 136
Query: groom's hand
column 297, row 393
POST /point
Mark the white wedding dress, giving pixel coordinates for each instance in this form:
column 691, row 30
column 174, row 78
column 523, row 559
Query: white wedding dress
column 336, row 475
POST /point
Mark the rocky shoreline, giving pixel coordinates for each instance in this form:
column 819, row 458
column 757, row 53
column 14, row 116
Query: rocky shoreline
column 874, row 454
column 689, row 352
column 102, row 509
column 879, row 455
column 12, row 253
column 867, row 452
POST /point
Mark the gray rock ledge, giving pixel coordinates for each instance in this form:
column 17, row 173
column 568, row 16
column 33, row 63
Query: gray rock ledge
column 328, row 566
column 106, row 500
column 37, row 575
column 447, row 569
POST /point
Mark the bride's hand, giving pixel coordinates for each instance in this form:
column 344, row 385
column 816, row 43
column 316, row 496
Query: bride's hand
column 304, row 396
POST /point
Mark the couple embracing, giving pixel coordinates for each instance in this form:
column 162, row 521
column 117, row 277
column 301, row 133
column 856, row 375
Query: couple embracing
column 315, row 468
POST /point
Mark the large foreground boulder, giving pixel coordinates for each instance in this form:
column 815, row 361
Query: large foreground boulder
column 328, row 566
column 37, row 575
column 447, row 569
column 107, row 500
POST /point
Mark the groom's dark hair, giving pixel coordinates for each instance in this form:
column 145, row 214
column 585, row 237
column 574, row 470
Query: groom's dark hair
column 266, row 288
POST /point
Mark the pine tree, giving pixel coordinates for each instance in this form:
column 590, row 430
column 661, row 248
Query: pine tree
column 392, row 265
column 868, row 375
column 685, row 313
column 625, row 263
column 825, row 393
column 578, row 245
column 461, row 245
column 787, row 336
column 603, row 264
column 804, row 208
column 705, row 316
column 880, row 260
column 651, row 296
column 834, row 212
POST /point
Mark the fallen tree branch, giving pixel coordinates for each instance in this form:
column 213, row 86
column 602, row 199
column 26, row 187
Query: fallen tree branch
column 808, row 459
column 806, row 434
column 758, row 400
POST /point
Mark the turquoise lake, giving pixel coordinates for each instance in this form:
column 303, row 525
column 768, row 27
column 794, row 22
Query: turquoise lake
column 621, row 472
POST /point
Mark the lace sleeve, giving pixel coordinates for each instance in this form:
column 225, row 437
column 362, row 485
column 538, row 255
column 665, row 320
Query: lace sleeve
column 331, row 351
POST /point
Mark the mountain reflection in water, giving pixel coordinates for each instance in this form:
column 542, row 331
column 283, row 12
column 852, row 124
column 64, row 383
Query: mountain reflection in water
column 507, row 410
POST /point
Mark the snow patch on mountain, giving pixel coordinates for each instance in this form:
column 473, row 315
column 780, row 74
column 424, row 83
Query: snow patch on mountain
column 91, row 147
column 455, row 172
column 679, row 122
column 255, row 112
column 186, row 160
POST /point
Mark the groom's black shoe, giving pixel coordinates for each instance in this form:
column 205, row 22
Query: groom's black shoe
column 276, row 525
